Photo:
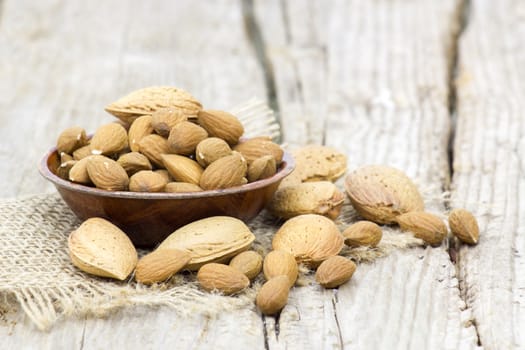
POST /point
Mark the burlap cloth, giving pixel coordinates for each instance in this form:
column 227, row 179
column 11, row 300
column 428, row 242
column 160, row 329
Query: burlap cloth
column 36, row 271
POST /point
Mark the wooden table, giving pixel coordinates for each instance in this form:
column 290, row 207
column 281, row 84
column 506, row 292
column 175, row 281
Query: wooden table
column 432, row 87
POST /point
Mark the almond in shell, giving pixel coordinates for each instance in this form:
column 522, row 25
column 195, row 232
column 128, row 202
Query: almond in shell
column 335, row 271
column 273, row 295
column 426, row 226
column 223, row 278
column 464, row 226
column 362, row 233
column 184, row 138
column 160, row 265
column 225, row 172
column 182, row 169
column 221, row 124
column 100, row 248
column 107, row 174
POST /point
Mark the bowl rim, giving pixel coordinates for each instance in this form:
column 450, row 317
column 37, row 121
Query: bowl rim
column 287, row 166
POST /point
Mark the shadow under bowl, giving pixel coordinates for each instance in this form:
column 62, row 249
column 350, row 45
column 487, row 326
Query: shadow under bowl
column 148, row 218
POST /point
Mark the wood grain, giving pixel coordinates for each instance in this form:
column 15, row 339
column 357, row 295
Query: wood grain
column 489, row 180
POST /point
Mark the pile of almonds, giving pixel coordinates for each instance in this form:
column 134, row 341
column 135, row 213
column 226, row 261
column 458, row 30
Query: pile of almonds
column 162, row 139
column 165, row 142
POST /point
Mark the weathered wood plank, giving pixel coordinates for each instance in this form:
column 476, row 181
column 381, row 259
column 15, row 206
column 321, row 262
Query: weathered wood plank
column 371, row 78
column 489, row 180
column 61, row 62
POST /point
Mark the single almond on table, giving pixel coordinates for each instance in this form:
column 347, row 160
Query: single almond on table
column 273, row 295
column 262, row 168
column 71, row 139
column 320, row 197
column 140, row 128
column 464, row 226
column 335, row 271
column 223, row 278
column 147, row 181
column 248, row 262
column 279, row 263
column 153, row 146
column 109, row 139
column 107, row 174
column 160, row 265
column 100, row 248
column 184, row 138
column 213, row 239
column 221, row 124
column 362, row 233
column 310, row 238
column 211, row 149
column 258, row 147
column 426, row 226
column 134, row 162
column 380, row 193
column 163, row 120
column 176, row 187
column 225, row 172
column 182, row 168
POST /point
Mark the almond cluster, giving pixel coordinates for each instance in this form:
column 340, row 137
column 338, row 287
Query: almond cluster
column 165, row 142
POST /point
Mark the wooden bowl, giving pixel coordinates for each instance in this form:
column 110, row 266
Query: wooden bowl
column 148, row 218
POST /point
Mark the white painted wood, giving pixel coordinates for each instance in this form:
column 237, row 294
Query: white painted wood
column 489, row 180
column 378, row 73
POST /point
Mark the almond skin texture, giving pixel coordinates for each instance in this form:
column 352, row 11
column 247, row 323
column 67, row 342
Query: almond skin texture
column 147, row 181
column 262, row 168
column 109, row 139
column 78, row 172
column 140, row 128
column 82, row 152
column 248, row 262
column 362, row 233
column 335, row 271
column 175, row 187
column 273, row 295
column 223, row 278
column 225, row 172
column 258, row 147
column 279, row 263
column 153, row 146
column 464, row 226
column 320, row 197
column 164, row 120
column 221, row 124
column 211, row 149
column 148, row 100
column 160, row 265
column 182, row 168
column 64, row 168
column 71, row 139
column 134, row 162
column 310, row 238
column 184, row 138
column 425, row 226
column 107, row 174
column 100, row 248
column 381, row 193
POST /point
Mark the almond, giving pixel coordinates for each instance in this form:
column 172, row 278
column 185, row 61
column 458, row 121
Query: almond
column 423, row 225
column 184, row 138
column 279, row 263
column 64, row 169
column 321, row 197
column 100, row 248
column 362, row 233
column 109, row 139
column 214, row 239
column 71, row 139
column 140, row 128
column 225, row 172
column 82, row 152
column 148, row 100
column 165, row 174
column 65, row 157
column 160, row 265
column 464, row 226
column 153, row 146
column 262, row 168
column 381, row 193
column 258, row 147
column 248, row 262
column 310, row 238
column 182, row 168
column 78, row 172
column 107, row 174
column 147, row 181
column 221, row 124
column 134, row 162
column 223, row 278
column 175, row 187
column 335, row 271
column 273, row 295
column 211, row 149
column 165, row 119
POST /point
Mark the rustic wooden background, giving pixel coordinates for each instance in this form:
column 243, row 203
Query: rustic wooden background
column 435, row 88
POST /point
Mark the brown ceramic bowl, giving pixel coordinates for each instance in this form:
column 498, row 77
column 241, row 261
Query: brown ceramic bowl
column 148, row 218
